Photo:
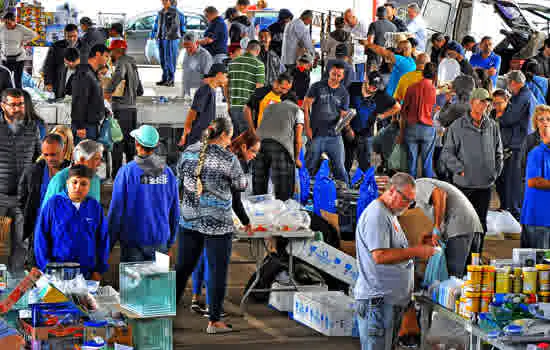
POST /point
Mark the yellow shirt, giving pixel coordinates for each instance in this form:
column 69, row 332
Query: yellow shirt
column 405, row 82
column 270, row 98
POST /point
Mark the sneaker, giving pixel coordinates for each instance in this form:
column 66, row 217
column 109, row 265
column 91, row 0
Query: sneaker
column 169, row 83
column 160, row 83
column 197, row 307
column 207, row 314
column 219, row 330
column 409, row 341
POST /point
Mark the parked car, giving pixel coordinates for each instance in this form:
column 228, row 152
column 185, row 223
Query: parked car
column 138, row 31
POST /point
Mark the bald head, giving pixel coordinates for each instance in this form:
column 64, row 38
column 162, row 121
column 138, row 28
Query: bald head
column 421, row 60
column 349, row 18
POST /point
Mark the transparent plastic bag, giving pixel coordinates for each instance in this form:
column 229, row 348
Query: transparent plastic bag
column 292, row 220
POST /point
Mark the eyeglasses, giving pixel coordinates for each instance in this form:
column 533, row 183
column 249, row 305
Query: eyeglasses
column 544, row 119
column 14, row 105
column 411, row 202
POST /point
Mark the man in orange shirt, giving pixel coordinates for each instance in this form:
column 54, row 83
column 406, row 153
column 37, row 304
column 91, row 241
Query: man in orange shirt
column 416, row 122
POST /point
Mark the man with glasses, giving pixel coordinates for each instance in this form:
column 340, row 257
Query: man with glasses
column 19, row 148
column 383, row 289
column 473, row 155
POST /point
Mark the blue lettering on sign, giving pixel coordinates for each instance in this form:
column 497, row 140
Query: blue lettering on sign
column 337, row 261
column 323, row 257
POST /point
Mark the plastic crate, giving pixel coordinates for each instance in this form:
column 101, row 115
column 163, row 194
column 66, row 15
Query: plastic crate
column 152, row 334
column 146, row 292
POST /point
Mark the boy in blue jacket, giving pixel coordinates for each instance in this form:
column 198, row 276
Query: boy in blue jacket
column 144, row 212
column 72, row 228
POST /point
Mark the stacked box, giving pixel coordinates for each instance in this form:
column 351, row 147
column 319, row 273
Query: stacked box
column 147, row 291
column 329, row 313
column 152, row 334
column 284, row 301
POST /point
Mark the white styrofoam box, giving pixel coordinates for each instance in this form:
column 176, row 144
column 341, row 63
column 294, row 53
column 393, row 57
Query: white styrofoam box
column 48, row 113
column 521, row 255
column 284, row 301
column 327, row 258
column 329, row 313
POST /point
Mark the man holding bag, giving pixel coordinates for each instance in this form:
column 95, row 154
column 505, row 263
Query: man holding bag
column 123, row 90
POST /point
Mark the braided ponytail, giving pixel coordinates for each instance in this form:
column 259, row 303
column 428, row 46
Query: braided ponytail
column 213, row 131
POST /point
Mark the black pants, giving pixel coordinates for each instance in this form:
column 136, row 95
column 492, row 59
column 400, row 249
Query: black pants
column 359, row 147
column 509, row 184
column 127, row 118
column 17, row 69
column 480, row 199
column 274, row 158
column 218, row 252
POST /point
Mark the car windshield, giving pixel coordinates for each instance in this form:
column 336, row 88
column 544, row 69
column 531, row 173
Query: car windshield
column 142, row 23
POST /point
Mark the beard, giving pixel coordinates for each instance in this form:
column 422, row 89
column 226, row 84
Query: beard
column 17, row 116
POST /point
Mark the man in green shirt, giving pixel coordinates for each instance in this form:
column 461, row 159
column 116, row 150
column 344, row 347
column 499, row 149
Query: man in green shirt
column 246, row 73
column 87, row 153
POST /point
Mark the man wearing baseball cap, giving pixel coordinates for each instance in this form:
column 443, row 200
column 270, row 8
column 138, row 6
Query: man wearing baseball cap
column 473, row 155
column 456, row 51
column 144, row 210
column 277, row 30
column 92, row 36
column 123, row 90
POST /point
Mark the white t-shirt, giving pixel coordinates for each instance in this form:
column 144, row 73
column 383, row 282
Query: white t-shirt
column 360, row 31
column 12, row 40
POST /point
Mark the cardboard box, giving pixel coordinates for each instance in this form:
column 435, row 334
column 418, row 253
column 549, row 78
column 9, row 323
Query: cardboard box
column 327, row 258
column 329, row 313
column 415, row 224
column 284, row 301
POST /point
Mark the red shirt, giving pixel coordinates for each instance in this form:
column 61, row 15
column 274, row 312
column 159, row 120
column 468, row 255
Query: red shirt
column 419, row 103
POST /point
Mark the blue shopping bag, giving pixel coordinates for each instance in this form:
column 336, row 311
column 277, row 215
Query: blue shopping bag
column 367, row 192
column 324, row 191
column 436, row 270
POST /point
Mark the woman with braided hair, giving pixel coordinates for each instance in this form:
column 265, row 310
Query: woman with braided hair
column 208, row 172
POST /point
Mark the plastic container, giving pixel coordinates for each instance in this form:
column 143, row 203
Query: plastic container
column 543, row 277
column 476, row 259
column 293, row 220
column 517, row 282
column 488, row 279
column 544, row 297
column 146, row 290
column 3, row 278
column 95, row 334
column 152, row 334
column 471, row 287
column 503, row 282
column 473, row 301
column 486, row 299
column 474, row 273
column 529, row 280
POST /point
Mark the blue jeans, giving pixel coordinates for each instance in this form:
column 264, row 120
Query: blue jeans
column 200, row 276
column 378, row 323
column 168, row 50
column 192, row 245
column 333, row 146
column 220, row 58
column 420, row 140
column 240, row 124
column 92, row 133
column 143, row 253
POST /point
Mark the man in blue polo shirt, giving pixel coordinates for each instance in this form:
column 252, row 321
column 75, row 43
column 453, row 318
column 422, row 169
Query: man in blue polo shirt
column 402, row 62
column 487, row 59
column 215, row 36
column 534, row 214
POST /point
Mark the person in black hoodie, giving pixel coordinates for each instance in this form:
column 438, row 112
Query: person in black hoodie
column 335, row 38
column 277, row 30
column 301, row 77
column 239, row 28
column 88, row 108
column 34, row 183
column 92, row 37
column 54, row 66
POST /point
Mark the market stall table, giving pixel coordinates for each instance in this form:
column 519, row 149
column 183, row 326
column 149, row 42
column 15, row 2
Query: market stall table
column 476, row 334
column 257, row 242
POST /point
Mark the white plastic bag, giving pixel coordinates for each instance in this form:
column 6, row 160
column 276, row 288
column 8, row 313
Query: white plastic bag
column 292, row 220
column 152, row 52
column 448, row 70
column 501, row 222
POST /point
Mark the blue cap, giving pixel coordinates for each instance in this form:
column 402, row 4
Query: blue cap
column 284, row 14
column 455, row 46
column 146, row 135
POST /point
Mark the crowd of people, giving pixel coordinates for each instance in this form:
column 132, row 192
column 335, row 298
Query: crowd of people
column 461, row 141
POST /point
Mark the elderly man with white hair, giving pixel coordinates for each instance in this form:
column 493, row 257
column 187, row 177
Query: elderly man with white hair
column 88, row 153
column 417, row 26
column 354, row 25
column 196, row 63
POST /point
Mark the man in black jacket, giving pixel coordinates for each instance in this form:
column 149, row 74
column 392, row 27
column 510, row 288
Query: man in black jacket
column 19, row 148
column 88, row 108
column 543, row 59
column 277, row 30
column 34, row 183
column 54, row 66
column 92, row 37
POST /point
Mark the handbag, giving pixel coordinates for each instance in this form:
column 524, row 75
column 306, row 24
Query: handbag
column 105, row 137
column 116, row 131
column 398, row 160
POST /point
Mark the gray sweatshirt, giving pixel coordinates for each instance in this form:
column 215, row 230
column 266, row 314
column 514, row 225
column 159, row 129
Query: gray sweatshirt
column 12, row 40
column 125, row 69
column 475, row 151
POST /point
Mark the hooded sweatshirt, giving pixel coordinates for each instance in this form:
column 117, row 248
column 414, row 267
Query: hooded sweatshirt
column 145, row 205
column 66, row 234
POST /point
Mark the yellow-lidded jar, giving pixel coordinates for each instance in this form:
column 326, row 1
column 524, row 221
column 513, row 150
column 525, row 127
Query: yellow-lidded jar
column 544, row 277
column 488, row 279
column 544, row 297
column 486, row 299
column 476, row 259
column 471, row 287
column 474, row 273
column 517, row 282
column 503, row 283
column 529, row 280
column 472, row 302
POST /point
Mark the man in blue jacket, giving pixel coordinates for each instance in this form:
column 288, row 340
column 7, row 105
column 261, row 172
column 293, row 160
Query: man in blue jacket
column 72, row 228
column 514, row 123
column 168, row 29
column 144, row 210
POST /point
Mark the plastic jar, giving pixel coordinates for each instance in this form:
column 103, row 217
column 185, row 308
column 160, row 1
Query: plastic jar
column 471, row 287
column 544, row 277
column 503, row 283
column 486, row 299
column 474, row 273
column 544, row 297
column 488, row 279
column 3, row 277
column 517, row 283
column 472, row 302
column 476, row 259
column 529, row 280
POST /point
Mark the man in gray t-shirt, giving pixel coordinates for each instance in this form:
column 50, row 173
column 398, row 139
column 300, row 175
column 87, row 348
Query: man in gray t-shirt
column 384, row 257
column 196, row 63
column 455, row 220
